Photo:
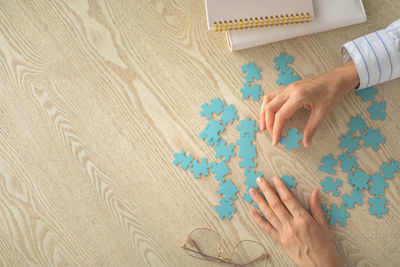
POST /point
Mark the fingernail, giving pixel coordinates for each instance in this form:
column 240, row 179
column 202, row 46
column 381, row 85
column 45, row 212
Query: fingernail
column 252, row 192
column 317, row 193
column 273, row 141
column 253, row 214
column 275, row 180
column 259, row 180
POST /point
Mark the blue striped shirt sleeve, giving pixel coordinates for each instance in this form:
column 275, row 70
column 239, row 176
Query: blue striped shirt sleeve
column 376, row 55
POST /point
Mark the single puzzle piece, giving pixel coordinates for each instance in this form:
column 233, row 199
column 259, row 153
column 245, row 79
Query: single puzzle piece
column 211, row 132
column 224, row 151
column 216, row 107
column 225, row 209
column 388, row 169
column 220, row 170
column 183, row 160
column 325, row 210
column 331, row 186
column 373, row 138
column 246, row 149
column 347, row 162
column 252, row 72
column 378, row 185
column 377, row 206
column 247, row 128
column 199, row 168
column 367, row 93
column 359, row 179
column 228, row 189
column 289, row 181
column 349, row 142
column 287, row 78
column 328, row 163
column 247, row 198
column 354, row 197
column 228, row 114
column 357, row 124
column 282, row 61
column 338, row 215
column 253, row 91
column 251, row 177
column 292, row 139
column 377, row 110
column 247, row 163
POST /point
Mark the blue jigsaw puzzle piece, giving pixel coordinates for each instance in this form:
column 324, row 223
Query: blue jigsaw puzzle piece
column 183, row 160
column 282, row 61
column 216, row 107
column 225, row 209
column 292, row 139
column 199, row 168
column 349, row 142
column 338, row 215
column 377, row 110
column 247, row 128
column 251, row 177
column 211, row 132
column 220, row 170
column 357, row 124
column 328, row 163
column 224, row 151
column 367, row 93
column 329, row 185
column 287, row 78
column 377, row 206
column 354, row 197
column 252, row 72
column 289, row 181
column 378, row 185
column 373, row 138
column 228, row 189
column 325, row 210
column 253, row 91
column 228, row 114
column 359, row 179
column 388, row 169
column 247, row 198
column 347, row 162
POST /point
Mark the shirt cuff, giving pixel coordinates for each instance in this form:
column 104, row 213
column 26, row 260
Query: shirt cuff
column 375, row 56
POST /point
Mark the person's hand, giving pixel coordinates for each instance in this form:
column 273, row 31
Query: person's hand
column 318, row 95
column 304, row 236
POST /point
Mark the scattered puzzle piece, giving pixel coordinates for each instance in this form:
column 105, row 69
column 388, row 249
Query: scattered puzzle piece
column 388, row 169
column 377, row 206
column 354, row 197
column 251, row 177
column 282, row 61
column 349, row 142
column 338, row 215
column 211, row 132
column 228, row 114
column 359, row 179
column 225, row 209
column 253, row 91
column 292, row 139
column 247, row 128
column 228, row 189
column 224, row 151
column 287, row 78
column 289, row 181
column 367, row 93
column 252, row 72
column 199, row 168
column 357, row 124
column 182, row 160
column 377, row 110
column 331, row 186
column 328, row 163
column 378, row 185
column 347, row 162
column 373, row 138
column 216, row 107
column 220, row 170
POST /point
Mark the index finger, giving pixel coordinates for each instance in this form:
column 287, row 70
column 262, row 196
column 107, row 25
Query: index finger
column 285, row 112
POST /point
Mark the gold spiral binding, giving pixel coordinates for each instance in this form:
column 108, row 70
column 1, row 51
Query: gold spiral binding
column 257, row 22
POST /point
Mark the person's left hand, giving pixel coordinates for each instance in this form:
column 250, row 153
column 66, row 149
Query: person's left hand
column 304, row 236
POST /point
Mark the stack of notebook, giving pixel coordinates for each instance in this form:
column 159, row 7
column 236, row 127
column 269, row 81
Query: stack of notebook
column 250, row 23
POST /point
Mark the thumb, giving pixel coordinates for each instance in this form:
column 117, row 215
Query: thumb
column 312, row 124
column 315, row 208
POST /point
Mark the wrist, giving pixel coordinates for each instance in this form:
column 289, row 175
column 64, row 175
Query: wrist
column 347, row 75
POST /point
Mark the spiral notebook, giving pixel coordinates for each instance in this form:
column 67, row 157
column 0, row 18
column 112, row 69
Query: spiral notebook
column 242, row 14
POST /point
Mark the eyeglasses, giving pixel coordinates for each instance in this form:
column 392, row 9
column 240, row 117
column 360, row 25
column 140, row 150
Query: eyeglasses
column 206, row 244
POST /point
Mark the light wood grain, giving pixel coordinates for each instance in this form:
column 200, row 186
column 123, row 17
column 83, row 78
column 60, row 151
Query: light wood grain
column 96, row 96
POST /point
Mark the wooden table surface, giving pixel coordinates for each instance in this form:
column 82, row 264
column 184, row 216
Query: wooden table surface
column 96, row 96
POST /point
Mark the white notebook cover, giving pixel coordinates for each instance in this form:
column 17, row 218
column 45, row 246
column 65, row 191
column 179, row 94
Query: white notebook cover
column 328, row 15
column 225, row 10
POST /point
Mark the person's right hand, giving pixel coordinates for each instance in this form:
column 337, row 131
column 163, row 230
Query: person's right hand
column 304, row 236
column 318, row 95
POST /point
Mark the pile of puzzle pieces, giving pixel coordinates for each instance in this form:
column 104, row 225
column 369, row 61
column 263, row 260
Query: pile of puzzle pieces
column 358, row 133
